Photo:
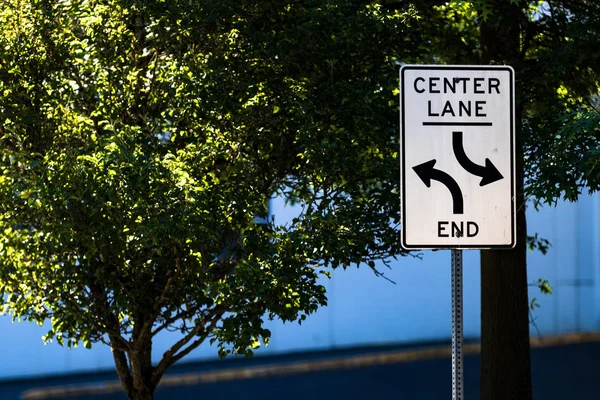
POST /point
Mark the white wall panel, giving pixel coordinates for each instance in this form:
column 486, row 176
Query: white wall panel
column 366, row 310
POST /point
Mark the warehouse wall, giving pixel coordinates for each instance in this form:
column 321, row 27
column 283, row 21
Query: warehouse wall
column 365, row 310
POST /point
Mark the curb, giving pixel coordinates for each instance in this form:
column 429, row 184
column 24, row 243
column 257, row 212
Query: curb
column 294, row 368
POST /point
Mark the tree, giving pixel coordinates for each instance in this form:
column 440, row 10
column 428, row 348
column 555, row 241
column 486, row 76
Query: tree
column 553, row 47
column 141, row 139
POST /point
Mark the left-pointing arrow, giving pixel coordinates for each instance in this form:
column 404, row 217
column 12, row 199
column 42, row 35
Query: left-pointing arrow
column 426, row 172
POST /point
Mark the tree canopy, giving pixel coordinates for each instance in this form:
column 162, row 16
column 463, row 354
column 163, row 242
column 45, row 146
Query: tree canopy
column 141, row 140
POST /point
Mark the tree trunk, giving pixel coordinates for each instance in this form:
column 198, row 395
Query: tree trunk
column 143, row 394
column 140, row 360
column 134, row 369
column 505, row 350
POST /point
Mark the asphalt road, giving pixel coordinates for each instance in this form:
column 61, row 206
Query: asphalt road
column 559, row 372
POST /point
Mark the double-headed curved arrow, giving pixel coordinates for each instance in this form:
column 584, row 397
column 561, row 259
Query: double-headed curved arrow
column 488, row 173
column 426, row 172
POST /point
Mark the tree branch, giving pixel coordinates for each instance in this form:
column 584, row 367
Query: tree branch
column 158, row 305
column 196, row 342
column 181, row 315
column 122, row 366
column 171, row 356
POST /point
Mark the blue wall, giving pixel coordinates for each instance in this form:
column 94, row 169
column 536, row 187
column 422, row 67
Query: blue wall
column 364, row 309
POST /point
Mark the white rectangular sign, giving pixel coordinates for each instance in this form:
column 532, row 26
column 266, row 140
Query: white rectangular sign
column 457, row 157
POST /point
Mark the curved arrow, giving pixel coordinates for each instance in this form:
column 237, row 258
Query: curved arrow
column 488, row 173
column 426, row 172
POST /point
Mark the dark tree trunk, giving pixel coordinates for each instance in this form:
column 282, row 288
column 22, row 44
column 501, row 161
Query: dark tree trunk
column 134, row 368
column 143, row 394
column 141, row 370
column 505, row 350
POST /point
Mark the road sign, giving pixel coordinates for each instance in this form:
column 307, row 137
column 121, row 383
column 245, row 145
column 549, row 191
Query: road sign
column 457, row 149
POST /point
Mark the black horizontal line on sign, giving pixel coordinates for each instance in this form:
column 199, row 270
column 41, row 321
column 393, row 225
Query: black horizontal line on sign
column 457, row 124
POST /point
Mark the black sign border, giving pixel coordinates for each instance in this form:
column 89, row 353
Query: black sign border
column 512, row 157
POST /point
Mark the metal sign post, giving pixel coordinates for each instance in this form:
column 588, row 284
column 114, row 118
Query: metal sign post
column 457, row 327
